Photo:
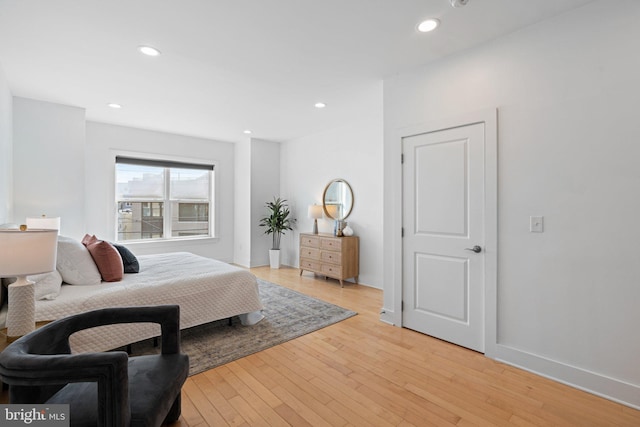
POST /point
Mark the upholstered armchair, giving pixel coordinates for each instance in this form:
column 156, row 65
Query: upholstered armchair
column 102, row 389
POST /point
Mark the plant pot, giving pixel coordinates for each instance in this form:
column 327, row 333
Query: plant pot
column 274, row 258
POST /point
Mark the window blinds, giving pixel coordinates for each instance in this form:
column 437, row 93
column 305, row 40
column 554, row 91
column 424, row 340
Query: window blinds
column 162, row 163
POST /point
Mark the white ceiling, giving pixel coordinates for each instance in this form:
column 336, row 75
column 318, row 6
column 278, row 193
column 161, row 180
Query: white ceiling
column 231, row 65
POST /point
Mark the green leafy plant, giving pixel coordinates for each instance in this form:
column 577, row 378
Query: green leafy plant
column 277, row 221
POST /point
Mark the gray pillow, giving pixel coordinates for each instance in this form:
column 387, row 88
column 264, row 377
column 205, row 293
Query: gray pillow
column 129, row 260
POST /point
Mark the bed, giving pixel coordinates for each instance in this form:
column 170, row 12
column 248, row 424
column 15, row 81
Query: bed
column 206, row 290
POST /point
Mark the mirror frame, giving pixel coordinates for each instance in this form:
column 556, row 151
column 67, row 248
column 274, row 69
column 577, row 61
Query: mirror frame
column 324, row 196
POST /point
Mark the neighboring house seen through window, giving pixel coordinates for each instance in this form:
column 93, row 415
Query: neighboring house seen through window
column 159, row 199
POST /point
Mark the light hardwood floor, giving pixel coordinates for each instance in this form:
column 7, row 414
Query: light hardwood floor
column 362, row 372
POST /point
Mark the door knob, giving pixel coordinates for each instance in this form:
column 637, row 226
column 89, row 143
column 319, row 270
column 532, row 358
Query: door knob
column 477, row 249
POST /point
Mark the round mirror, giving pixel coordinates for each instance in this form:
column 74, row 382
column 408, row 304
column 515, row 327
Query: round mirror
column 337, row 199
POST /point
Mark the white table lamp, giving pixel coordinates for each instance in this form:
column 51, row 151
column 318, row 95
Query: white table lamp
column 315, row 212
column 43, row 223
column 24, row 253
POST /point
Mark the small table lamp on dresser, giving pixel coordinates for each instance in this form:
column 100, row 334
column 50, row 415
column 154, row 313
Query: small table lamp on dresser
column 315, row 212
column 22, row 253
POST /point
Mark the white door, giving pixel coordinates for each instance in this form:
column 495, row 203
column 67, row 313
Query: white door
column 444, row 237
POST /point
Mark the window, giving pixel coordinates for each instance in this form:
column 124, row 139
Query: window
column 159, row 199
column 193, row 212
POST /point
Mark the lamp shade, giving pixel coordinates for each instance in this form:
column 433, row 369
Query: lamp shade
column 27, row 252
column 44, row 223
column 315, row 211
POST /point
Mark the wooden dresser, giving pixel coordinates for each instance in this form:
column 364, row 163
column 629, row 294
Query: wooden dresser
column 330, row 256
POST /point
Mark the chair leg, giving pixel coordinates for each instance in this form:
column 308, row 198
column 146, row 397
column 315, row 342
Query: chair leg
column 176, row 409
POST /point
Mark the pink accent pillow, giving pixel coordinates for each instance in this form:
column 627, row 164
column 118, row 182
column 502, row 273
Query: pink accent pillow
column 106, row 257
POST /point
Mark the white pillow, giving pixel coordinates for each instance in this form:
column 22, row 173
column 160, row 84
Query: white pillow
column 75, row 263
column 47, row 285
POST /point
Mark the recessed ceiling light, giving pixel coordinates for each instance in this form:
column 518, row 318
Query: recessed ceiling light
column 459, row 3
column 114, row 105
column 428, row 25
column 149, row 51
column 320, row 105
column 248, row 132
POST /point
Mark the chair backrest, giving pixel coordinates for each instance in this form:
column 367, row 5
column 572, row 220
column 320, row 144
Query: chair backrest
column 33, row 355
column 40, row 364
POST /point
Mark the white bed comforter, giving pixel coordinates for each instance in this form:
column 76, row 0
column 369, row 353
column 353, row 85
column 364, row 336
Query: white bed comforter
column 205, row 289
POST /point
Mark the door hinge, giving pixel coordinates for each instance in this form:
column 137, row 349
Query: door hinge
column 402, row 232
column 402, row 158
column 401, row 305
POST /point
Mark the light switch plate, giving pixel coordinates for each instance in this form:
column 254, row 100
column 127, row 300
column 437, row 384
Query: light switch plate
column 536, row 224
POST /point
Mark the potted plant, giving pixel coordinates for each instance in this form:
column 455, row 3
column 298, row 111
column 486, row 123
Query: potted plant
column 275, row 223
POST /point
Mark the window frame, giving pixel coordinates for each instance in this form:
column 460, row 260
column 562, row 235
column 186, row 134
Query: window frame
column 167, row 211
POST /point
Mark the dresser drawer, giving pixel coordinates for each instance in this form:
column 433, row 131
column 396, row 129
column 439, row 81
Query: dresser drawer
column 331, row 257
column 311, row 253
column 331, row 244
column 332, row 270
column 309, row 265
column 310, row 241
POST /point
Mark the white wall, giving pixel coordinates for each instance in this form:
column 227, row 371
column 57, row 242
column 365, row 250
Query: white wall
column 257, row 178
column 6, row 150
column 567, row 94
column 64, row 167
column 265, row 185
column 104, row 141
column 242, row 217
column 354, row 153
column 48, row 156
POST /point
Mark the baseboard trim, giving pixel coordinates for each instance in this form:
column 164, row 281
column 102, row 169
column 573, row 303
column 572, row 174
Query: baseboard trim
column 591, row 382
column 388, row 316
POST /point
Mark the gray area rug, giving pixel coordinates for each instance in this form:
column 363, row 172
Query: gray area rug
column 288, row 315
